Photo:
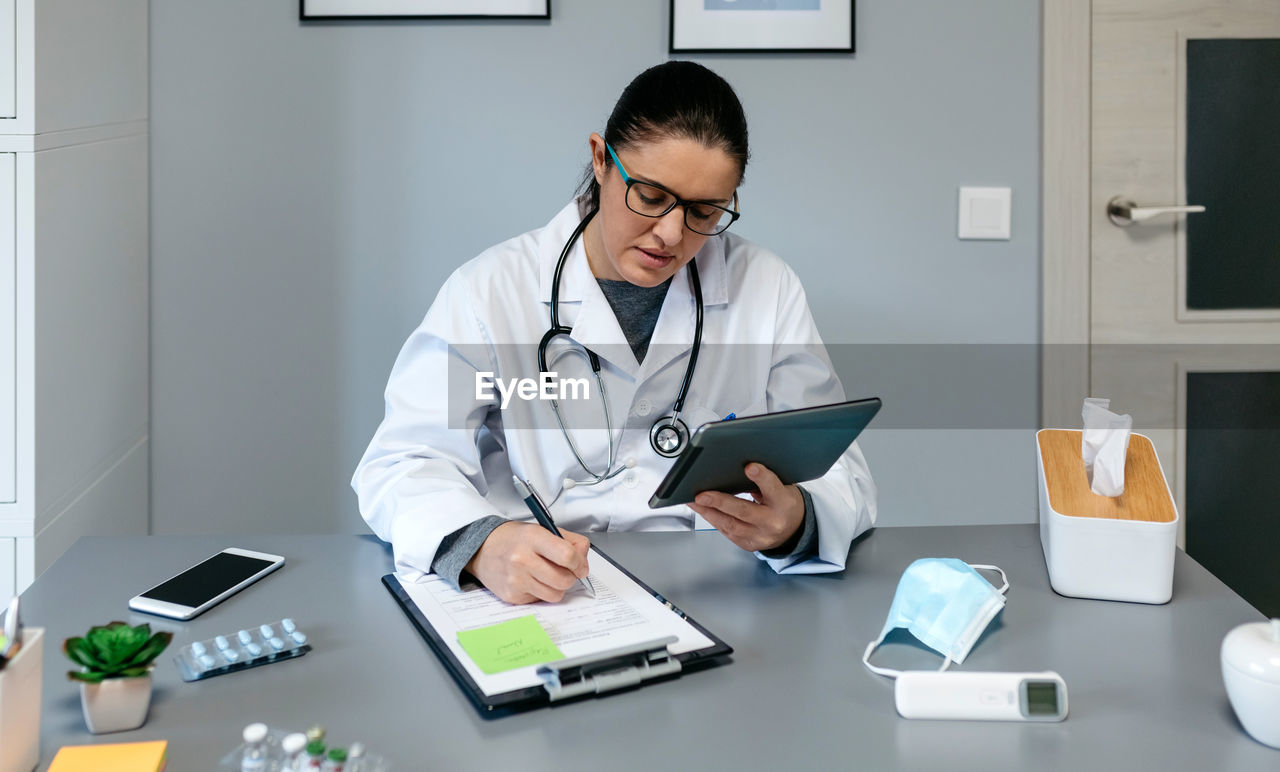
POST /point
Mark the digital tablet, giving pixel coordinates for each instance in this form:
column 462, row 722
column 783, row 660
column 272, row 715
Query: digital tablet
column 797, row 445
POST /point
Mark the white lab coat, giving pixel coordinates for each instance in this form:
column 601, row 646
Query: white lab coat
column 443, row 458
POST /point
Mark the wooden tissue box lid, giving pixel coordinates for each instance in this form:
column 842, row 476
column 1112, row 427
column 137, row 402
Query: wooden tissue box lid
column 1146, row 494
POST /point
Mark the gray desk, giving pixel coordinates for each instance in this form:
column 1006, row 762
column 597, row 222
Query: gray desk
column 1144, row 681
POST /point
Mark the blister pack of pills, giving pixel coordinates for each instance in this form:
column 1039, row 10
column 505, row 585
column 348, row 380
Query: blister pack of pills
column 267, row 749
column 243, row 649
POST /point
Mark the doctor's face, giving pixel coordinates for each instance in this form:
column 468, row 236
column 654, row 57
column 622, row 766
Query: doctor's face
column 646, row 251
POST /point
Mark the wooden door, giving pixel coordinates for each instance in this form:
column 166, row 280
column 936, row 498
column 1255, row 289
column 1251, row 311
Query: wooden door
column 1184, row 308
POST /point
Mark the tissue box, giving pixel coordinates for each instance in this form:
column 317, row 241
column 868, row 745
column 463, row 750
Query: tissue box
column 1109, row 548
column 20, row 683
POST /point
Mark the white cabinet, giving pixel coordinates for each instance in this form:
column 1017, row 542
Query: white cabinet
column 8, row 58
column 8, row 334
column 8, row 568
column 74, row 376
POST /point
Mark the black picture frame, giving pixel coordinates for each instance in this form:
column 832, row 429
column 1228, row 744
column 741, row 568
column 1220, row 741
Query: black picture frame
column 694, row 27
column 432, row 9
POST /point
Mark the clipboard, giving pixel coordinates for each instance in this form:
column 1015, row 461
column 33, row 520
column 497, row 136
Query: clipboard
column 606, row 669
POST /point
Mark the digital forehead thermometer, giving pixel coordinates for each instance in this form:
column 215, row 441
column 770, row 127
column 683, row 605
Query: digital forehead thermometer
column 981, row 696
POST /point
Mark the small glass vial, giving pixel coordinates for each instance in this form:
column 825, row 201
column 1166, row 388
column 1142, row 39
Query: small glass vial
column 315, row 756
column 294, row 747
column 336, row 762
column 254, row 757
column 355, row 757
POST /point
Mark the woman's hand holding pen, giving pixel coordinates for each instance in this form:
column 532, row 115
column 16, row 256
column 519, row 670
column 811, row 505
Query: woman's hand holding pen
column 525, row 563
column 771, row 520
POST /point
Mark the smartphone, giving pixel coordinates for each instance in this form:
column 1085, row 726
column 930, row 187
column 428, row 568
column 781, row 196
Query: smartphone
column 206, row 584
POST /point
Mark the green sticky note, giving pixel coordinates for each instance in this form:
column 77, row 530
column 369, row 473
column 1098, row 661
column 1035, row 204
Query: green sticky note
column 509, row 645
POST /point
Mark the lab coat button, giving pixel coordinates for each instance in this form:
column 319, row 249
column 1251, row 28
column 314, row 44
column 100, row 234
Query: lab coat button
column 631, row 479
column 644, row 407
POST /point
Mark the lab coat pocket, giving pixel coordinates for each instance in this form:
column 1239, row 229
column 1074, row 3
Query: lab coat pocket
column 696, row 416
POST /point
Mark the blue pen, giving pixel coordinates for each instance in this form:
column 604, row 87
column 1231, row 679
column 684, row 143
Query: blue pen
column 525, row 490
column 731, row 416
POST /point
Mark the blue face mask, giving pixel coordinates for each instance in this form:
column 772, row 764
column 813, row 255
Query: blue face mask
column 946, row 604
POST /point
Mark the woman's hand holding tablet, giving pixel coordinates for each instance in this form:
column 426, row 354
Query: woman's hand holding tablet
column 769, row 520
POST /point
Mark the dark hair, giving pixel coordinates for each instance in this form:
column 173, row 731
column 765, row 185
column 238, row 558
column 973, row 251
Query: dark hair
column 674, row 100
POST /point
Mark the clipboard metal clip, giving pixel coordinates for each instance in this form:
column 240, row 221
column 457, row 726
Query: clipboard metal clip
column 607, row 671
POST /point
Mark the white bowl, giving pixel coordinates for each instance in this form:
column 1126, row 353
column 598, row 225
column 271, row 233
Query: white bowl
column 1251, row 673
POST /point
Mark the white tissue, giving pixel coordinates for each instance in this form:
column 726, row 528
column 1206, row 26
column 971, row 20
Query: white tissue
column 1104, row 445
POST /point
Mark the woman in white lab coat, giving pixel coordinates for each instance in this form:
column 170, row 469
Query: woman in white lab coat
column 632, row 254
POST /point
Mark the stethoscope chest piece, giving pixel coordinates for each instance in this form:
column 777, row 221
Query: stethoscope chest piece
column 669, row 436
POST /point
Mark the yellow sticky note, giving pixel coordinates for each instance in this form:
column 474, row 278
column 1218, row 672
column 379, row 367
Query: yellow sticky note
column 112, row 757
column 509, row 645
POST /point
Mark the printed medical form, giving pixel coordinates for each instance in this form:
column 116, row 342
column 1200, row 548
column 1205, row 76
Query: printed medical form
column 622, row 613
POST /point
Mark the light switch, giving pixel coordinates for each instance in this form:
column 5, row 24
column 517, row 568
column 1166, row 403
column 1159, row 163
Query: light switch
column 985, row 213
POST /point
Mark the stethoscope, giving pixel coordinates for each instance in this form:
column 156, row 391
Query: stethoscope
column 669, row 435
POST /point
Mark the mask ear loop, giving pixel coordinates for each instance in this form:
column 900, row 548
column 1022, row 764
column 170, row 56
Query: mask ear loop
column 888, row 671
column 1003, row 590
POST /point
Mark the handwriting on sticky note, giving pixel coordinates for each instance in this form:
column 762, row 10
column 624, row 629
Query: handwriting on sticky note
column 508, row 645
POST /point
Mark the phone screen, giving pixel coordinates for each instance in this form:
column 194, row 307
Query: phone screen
column 207, row 580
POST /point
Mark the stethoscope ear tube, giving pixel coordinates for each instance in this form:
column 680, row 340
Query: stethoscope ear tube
column 558, row 329
column 546, row 341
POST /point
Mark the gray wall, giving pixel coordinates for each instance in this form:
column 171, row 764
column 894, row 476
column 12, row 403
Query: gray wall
column 312, row 186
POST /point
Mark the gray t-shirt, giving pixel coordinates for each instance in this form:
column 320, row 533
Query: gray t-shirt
column 637, row 310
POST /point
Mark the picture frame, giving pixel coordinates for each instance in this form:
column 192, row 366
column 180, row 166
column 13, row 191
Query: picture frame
column 761, row 26
column 345, row 10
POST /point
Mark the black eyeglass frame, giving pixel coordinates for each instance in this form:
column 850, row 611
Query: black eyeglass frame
column 734, row 214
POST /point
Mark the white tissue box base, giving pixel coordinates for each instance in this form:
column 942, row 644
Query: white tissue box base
column 1103, row 558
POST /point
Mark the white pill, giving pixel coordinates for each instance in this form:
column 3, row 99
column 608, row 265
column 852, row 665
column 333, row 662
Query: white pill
column 299, row 636
column 207, row 661
column 276, row 643
column 288, row 625
column 266, row 631
column 255, row 733
column 244, row 636
column 198, row 648
column 221, row 642
column 254, row 649
column 230, row 655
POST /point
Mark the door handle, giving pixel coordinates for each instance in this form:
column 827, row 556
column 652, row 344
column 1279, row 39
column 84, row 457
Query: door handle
column 1124, row 212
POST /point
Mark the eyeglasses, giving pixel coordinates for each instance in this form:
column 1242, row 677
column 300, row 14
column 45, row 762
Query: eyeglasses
column 650, row 200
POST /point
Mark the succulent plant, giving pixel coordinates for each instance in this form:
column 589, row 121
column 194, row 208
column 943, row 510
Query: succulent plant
column 114, row 650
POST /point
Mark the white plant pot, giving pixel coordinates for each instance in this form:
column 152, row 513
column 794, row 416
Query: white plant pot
column 116, row 704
